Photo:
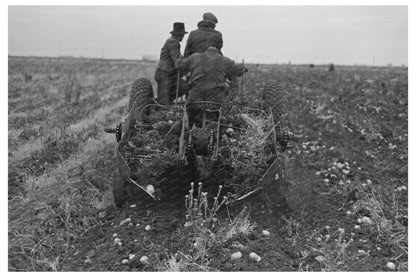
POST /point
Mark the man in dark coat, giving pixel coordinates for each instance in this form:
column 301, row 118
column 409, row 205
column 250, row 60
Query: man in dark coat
column 166, row 75
column 208, row 75
column 200, row 39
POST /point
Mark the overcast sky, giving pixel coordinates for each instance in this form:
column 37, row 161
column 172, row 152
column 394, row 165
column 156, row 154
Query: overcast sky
column 264, row 34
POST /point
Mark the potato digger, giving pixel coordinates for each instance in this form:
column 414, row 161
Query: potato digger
column 161, row 149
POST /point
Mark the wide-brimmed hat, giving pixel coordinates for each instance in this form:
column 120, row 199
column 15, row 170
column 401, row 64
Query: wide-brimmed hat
column 209, row 17
column 178, row 29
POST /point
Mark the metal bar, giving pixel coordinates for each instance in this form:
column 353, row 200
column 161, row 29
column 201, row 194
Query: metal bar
column 177, row 89
column 182, row 137
column 122, row 165
column 143, row 189
column 269, row 175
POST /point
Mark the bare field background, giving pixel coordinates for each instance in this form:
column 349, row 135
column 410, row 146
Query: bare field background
column 347, row 195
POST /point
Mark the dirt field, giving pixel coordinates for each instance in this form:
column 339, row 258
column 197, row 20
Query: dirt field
column 344, row 206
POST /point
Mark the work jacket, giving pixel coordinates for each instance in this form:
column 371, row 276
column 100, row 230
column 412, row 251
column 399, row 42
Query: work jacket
column 208, row 73
column 200, row 39
column 171, row 51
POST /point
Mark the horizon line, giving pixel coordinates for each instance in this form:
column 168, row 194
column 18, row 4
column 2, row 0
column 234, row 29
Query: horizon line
column 155, row 61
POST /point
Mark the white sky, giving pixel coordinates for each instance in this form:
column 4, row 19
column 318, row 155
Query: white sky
column 264, row 34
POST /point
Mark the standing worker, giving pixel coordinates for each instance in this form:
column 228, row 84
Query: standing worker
column 200, row 39
column 166, row 76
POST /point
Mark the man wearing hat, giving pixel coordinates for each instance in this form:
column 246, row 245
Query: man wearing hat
column 200, row 39
column 166, row 75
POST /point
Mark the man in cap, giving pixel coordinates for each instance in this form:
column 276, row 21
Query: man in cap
column 208, row 74
column 200, row 39
column 166, row 75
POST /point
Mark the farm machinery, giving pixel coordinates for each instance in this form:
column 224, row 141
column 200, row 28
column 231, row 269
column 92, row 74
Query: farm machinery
column 161, row 149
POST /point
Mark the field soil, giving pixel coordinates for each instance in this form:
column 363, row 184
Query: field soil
column 343, row 205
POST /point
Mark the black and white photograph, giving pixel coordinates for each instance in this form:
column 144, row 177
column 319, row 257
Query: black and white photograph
column 207, row 137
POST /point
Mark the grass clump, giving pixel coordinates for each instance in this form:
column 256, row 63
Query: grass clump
column 207, row 230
